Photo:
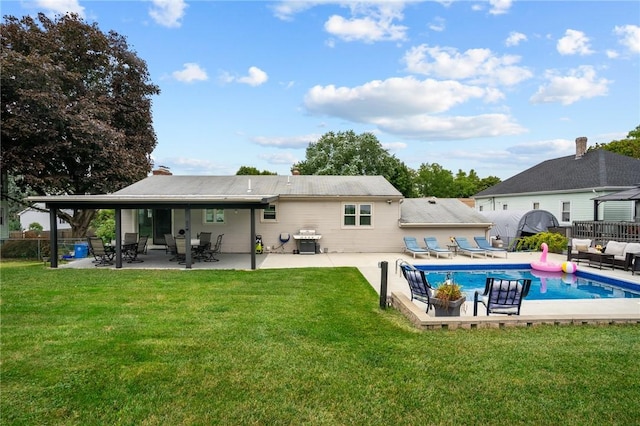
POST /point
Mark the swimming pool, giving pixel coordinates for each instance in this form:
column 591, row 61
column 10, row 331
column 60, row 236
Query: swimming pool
column 544, row 285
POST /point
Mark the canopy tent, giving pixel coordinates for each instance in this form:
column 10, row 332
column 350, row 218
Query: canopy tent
column 513, row 224
column 631, row 194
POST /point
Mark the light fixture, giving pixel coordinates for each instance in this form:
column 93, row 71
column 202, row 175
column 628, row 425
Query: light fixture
column 389, row 201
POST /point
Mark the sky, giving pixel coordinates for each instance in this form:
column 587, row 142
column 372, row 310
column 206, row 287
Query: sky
column 495, row 86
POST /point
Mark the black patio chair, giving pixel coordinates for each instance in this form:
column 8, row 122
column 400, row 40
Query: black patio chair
column 420, row 288
column 502, row 296
column 210, row 254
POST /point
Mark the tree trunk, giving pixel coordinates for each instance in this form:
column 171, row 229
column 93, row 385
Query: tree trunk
column 80, row 221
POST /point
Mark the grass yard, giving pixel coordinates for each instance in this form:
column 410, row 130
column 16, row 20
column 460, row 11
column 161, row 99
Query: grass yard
column 300, row 346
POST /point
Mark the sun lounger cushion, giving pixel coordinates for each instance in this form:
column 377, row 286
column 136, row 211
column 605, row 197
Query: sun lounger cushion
column 580, row 244
column 615, row 248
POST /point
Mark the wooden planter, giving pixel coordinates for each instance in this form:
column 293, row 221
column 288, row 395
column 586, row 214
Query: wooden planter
column 445, row 308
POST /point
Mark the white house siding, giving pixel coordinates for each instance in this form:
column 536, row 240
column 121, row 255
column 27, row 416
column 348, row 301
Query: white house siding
column 581, row 205
column 29, row 216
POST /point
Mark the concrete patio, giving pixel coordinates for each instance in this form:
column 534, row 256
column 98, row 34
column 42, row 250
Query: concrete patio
column 585, row 311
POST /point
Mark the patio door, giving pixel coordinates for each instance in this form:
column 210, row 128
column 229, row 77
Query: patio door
column 161, row 225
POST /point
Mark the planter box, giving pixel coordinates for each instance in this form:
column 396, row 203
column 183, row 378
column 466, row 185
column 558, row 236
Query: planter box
column 447, row 309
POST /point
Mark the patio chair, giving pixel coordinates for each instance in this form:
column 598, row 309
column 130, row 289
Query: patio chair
column 181, row 250
column 132, row 250
column 204, row 245
column 130, row 238
column 411, row 245
column 434, row 247
column 465, row 247
column 170, row 245
column 210, row 254
column 102, row 255
column 502, row 296
column 485, row 245
column 419, row 286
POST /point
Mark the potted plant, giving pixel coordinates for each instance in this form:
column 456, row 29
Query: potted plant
column 448, row 299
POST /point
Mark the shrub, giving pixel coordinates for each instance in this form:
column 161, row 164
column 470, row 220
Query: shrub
column 25, row 249
column 556, row 242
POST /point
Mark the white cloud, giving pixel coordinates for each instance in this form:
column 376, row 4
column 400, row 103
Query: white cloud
column 612, row 54
column 375, row 24
column 515, row 38
column 394, row 97
column 190, row 73
column 426, row 127
column 279, row 158
column 580, row 83
column 629, row 37
column 438, row 24
column 168, row 13
column 62, row 6
column 256, row 77
column 574, row 43
column 292, row 142
column 394, row 146
column 499, row 7
column 476, row 65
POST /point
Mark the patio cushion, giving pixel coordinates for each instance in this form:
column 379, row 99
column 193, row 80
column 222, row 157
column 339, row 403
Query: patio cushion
column 582, row 247
column 580, row 242
column 615, row 248
column 631, row 248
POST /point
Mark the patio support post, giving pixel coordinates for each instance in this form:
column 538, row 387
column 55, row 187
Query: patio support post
column 187, row 235
column 253, row 238
column 53, row 237
column 118, row 217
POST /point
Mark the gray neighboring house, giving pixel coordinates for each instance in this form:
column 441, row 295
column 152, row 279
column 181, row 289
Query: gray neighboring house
column 566, row 187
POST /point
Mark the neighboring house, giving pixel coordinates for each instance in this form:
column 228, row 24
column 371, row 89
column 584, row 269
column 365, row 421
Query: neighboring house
column 37, row 215
column 566, row 187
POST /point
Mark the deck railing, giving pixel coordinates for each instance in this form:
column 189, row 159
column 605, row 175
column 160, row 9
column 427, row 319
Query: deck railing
column 603, row 231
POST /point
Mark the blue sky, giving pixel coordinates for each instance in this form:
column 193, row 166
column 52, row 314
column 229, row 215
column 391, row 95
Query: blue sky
column 495, row 86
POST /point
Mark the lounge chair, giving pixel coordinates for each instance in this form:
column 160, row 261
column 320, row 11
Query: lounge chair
column 434, row 247
column 102, row 254
column 465, row 247
column 420, row 288
column 485, row 245
column 502, row 296
column 411, row 245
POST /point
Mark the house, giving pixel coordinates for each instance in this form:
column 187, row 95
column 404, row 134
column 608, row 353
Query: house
column 346, row 213
column 39, row 214
column 567, row 186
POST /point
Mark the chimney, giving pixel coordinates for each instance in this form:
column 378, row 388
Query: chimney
column 581, row 147
column 162, row 170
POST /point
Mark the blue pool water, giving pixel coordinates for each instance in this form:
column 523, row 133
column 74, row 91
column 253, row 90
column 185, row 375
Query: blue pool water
column 544, row 285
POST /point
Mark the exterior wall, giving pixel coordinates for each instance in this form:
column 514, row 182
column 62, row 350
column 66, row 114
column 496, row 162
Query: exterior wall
column 581, row 205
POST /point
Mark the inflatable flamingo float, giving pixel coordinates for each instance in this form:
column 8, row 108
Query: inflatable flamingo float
column 543, row 265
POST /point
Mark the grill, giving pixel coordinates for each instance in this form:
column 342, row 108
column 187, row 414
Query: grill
column 307, row 240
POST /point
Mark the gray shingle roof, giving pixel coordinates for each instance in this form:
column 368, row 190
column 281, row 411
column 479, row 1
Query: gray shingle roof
column 596, row 169
column 438, row 210
column 284, row 186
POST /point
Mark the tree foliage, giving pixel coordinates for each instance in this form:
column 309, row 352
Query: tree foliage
column 76, row 109
column 629, row 146
column 348, row 154
column 252, row 171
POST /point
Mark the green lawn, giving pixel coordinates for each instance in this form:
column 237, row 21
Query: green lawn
column 300, row 346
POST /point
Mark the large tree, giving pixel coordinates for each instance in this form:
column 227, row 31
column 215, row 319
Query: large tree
column 348, row 154
column 630, row 146
column 76, row 109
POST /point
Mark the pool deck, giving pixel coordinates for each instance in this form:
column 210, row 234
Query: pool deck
column 585, row 311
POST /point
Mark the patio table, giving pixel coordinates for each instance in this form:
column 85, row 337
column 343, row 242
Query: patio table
column 598, row 259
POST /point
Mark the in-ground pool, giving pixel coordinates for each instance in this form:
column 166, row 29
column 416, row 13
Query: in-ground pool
column 544, row 285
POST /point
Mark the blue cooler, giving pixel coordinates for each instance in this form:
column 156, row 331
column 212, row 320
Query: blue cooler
column 81, row 250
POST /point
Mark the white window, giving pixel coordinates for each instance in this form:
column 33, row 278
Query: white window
column 269, row 214
column 213, row 216
column 359, row 215
column 536, row 206
column 505, row 207
column 566, row 211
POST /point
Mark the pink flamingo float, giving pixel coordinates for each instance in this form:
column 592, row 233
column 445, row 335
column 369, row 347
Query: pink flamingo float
column 543, row 265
